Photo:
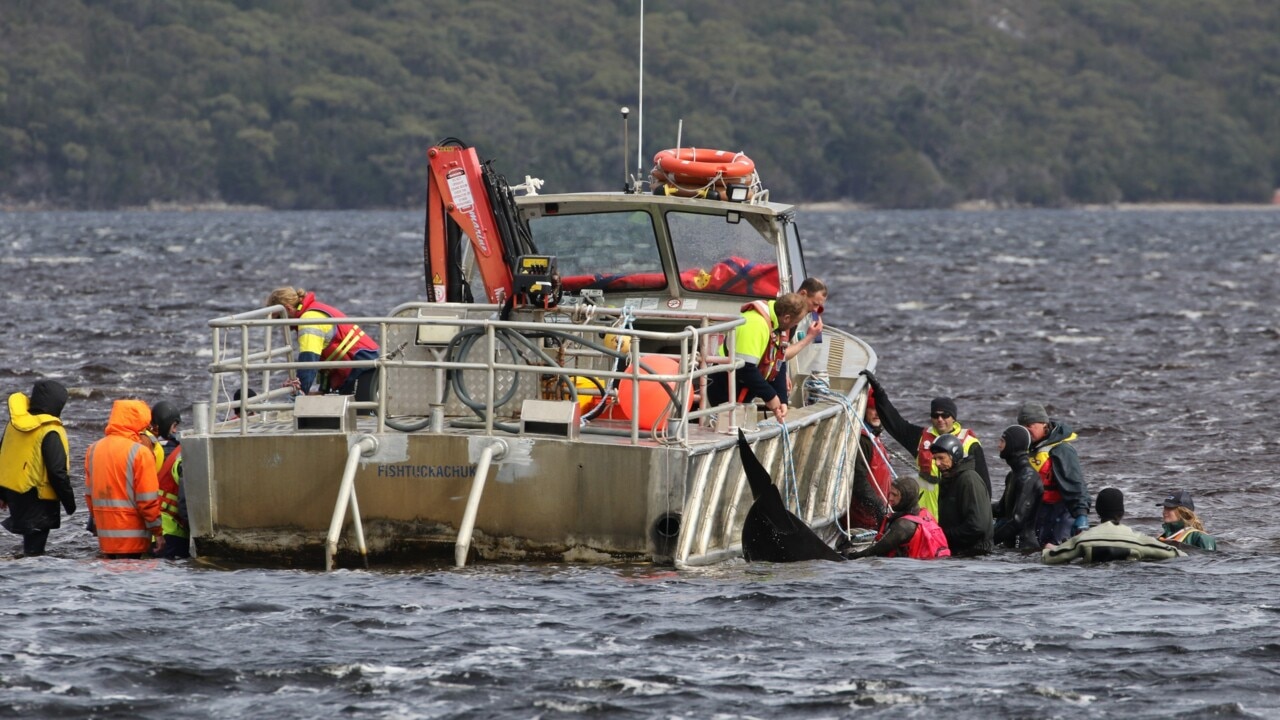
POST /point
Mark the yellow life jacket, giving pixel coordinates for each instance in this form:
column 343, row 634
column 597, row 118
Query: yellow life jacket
column 1040, row 461
column 148, row 438
column 21, row 462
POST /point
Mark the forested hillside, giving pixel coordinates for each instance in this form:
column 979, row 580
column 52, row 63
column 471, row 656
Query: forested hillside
column 895, row 103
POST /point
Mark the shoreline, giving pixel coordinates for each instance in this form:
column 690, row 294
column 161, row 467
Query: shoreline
column 821, row 206
column 34, row 207
column 984, row 206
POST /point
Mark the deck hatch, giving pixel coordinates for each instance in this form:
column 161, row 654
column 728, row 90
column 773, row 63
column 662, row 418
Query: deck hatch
column 329, row 413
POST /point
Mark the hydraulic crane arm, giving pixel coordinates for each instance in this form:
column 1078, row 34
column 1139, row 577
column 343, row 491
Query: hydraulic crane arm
column 456, row 192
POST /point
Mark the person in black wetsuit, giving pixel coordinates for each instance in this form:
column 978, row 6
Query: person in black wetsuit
column 1015, row 511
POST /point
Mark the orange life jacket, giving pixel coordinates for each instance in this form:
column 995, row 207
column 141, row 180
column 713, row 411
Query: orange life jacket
column 347, row 340
column 615, row 281
column 771, row 361
column 881, row 475
column 742, row 277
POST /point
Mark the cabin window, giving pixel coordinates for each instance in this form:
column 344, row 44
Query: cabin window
column 602, row 251
column 715, row 255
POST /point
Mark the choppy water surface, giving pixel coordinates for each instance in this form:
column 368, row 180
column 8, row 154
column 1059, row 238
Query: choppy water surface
column 1155, row 334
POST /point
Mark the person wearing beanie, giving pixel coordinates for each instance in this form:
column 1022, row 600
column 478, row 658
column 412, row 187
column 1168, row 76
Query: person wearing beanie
column 1015, row 511
column 1181, row 524
column 35, row 465
column 872, row 474
column 1064, row 506
column 1110, row 540
column 943, row 420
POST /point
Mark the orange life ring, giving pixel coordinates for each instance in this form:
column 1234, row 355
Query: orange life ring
column 692, row 188
column 703, row 164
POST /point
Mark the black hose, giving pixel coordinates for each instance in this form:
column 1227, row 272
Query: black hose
column 464, row 340
column 407, row 427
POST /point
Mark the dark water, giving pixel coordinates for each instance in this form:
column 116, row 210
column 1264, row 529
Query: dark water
column 1154, row 333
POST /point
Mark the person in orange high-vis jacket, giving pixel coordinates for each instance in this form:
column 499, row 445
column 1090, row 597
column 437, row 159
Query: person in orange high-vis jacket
column 122, row 490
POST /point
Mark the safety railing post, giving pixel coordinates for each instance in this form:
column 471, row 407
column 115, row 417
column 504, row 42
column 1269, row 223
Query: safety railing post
column 217, row 378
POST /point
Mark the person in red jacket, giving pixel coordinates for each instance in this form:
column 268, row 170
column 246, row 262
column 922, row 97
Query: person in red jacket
column 872, row 474
column 121, row 487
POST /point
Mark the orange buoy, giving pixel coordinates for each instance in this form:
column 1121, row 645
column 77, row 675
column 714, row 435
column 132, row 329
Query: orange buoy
column 653, row 398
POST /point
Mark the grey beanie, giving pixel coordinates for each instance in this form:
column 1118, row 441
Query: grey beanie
column 1032, row 412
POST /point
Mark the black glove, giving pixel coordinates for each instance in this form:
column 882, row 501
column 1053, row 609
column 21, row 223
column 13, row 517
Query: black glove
column 91, row 526
column 70, row 506
column 872, row 381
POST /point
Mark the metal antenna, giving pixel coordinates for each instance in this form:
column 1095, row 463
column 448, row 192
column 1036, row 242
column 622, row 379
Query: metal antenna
column 640, row 114
column 626, row 171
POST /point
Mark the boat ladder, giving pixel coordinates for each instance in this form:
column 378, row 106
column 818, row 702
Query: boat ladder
column 366, row 445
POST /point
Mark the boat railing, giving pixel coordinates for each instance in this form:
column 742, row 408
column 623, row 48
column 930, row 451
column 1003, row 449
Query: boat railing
column 419, row 338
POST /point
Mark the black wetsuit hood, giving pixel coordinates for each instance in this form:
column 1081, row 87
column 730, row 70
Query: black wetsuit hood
column 48, row 397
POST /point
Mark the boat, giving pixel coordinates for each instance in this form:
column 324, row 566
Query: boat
column 545, row 400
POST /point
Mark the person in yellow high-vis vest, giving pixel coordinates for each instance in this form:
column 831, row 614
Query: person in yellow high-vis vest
column 35, row 465
column 327, row 337
column 761, row 342
column 943, row 420
column 165, row 418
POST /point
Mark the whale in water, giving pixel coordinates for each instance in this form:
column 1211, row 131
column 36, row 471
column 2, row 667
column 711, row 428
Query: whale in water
column 772, row 533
